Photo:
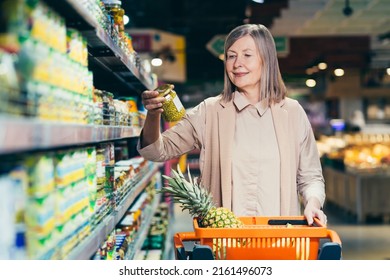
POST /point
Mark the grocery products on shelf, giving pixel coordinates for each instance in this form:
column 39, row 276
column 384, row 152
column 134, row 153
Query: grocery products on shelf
column 68, row 179
column 61, row 197
column 133, row 230
column 49, row 76
column 51, row 63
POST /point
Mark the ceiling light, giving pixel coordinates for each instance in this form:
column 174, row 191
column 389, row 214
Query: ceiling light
column 339, row 72
column 388, row 71
column 156, row 62
column 126, row 19
column 322, row 65
column 258, row 1
column 311, row 83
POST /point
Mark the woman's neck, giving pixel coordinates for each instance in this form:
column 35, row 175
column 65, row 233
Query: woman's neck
column 252, row 96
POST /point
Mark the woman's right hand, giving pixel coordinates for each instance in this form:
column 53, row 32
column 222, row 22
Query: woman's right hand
column 151, row 129
column 152, row 102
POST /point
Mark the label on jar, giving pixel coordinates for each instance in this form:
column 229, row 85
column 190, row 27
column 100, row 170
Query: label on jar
column 100, row 169
column 177, row 102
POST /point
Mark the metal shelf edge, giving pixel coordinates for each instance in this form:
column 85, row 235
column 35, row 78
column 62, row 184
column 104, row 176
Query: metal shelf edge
column 142, row 233
column 20, row 134
column 91, row 244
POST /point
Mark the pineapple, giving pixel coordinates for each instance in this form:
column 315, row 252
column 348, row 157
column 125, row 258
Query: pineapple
column 198, row 201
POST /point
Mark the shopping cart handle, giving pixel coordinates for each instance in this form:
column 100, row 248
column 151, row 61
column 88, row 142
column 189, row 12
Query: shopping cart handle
column 294, row 222
column 286, row 221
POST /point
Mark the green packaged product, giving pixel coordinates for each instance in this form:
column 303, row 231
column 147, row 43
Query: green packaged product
column 173, row 109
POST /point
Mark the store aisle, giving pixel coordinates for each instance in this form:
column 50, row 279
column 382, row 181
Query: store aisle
column 183, row 220
column 370, row 241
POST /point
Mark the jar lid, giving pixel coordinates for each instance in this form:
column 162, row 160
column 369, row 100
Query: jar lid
column 164, row 89
column 111, row 2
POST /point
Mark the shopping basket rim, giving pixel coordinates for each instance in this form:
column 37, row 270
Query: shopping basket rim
column 258, row 226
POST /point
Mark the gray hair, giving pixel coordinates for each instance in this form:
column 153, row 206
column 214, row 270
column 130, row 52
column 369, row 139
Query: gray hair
column 272, row 88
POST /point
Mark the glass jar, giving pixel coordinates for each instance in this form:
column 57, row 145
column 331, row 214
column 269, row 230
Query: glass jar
column 111, row 108
column 105, row 107
column 173, row 108
column 114, row 7
column 98, row 106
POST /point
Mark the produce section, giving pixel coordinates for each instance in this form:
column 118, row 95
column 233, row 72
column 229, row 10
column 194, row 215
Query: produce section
column 357, row 173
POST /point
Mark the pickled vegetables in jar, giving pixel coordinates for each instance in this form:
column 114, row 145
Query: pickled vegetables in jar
column 173, row 108
column 114, row 7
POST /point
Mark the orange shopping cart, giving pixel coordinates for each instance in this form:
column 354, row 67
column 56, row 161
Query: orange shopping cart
column 270, row 238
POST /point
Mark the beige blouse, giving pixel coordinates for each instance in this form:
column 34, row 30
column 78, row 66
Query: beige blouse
column 210, row 127
column 256, row 161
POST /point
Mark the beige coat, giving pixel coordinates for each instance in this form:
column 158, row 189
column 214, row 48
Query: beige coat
column 210, row 127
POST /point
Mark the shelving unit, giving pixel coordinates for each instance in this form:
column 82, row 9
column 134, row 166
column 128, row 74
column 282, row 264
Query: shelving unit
column 91, row 244
column 19, row 134
column 359, row 194
column 115, row 71
column 169, row 248
column 142, row 233
column 193, row 162
column 103, row 52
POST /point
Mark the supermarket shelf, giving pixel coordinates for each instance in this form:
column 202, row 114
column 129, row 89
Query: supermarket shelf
column 75, row 14
column 168, row 253
column 193, row 165
column 19, row 134
column 103, row 50
column 82, row 12
column 134, row 77
column 129, row 199
column 144, row 229
column 91, row 244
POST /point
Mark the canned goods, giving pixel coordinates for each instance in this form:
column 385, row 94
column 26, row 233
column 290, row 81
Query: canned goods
column 173, row 108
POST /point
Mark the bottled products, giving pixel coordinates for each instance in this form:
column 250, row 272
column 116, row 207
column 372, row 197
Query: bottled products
column 132, row 110
column 115, row 9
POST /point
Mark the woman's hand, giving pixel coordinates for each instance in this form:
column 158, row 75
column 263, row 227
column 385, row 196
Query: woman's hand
column 152, row 102
column 313, row 210
column 151, row 129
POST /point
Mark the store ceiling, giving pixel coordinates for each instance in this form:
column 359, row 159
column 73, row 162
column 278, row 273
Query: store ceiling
column 317, row 29
column 330, row 17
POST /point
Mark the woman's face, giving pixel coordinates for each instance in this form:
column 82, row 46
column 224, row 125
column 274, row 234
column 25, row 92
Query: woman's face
column 243, row 65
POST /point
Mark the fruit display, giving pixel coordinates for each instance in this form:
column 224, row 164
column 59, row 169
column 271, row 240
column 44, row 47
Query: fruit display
column 367, row 157
column 358, row 152
column 198, row 201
